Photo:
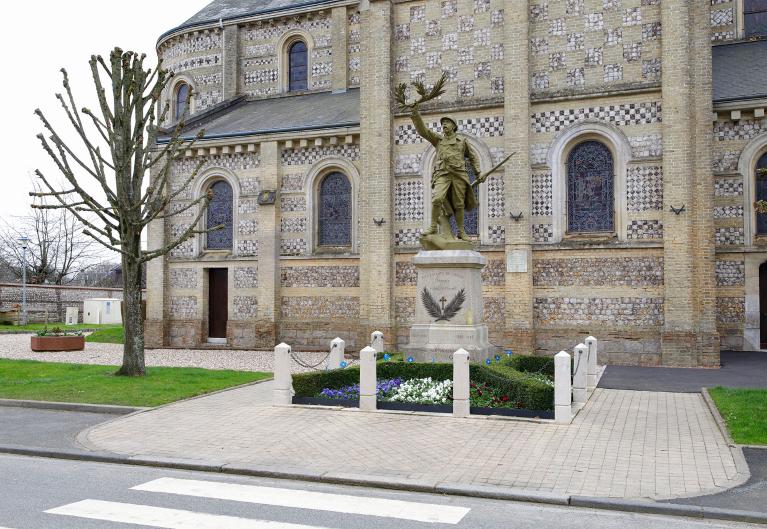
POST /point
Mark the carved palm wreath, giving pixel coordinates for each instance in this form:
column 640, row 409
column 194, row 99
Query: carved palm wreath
column 443, row 312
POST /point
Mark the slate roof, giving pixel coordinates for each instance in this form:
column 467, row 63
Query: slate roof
column 231, row 9
column 283, row 114
column 740, row 71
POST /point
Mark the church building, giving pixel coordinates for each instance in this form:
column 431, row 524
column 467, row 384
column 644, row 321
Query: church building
column 627, row 211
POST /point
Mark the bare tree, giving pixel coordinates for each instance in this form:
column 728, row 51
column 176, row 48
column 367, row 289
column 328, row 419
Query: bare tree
column 57, row 249
column 120, row 146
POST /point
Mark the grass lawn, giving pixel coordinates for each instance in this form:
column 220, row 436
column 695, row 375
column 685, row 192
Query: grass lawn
column 28, row 379
column 107, row 335
column 745, row 412
column 40, row 326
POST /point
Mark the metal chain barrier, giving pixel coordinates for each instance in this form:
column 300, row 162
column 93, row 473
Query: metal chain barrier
column 306, row 365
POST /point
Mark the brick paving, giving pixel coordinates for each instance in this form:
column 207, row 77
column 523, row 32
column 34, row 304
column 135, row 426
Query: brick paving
column 622, row 444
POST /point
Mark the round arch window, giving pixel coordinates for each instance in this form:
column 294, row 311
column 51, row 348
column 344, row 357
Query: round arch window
column 760, row 178
column 590, row 188
column 334, row 211
column 297, row 66
column 220, row 212
column 182, row 95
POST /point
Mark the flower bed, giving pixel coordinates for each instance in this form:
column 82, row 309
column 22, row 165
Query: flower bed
column 515, row 385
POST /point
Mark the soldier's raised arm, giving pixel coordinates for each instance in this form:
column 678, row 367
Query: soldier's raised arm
column 422, row 129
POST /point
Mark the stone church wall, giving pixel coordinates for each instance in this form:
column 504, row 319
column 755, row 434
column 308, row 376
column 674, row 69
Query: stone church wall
column 594, row 71
column 197, row 57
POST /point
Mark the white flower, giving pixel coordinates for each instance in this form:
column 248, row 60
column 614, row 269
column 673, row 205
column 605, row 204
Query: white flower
column 424, row 391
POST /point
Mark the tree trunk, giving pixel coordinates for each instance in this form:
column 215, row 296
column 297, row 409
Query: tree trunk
column 133, row 348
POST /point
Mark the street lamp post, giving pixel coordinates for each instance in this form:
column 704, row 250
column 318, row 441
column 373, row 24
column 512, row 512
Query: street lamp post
column 24, row 240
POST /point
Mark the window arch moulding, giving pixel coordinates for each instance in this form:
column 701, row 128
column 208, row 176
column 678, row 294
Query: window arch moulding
column 283, row 57
column 749, row 157
column 617, row 143
column 202, row 183
column 485, row 163
column 179, row 81
column 312, row 182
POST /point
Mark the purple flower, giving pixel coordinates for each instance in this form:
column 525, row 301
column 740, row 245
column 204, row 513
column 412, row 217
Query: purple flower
column 383, row 389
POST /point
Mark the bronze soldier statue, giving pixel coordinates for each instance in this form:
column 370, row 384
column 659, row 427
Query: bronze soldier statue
column 452, row 192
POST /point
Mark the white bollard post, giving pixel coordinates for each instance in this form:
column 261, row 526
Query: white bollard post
column 368, row 379
column 562, row 388
column 377, row 341
column 461, row 383
column 591, row 374
column 283, row 381
column 337, row 349
column 581, row 360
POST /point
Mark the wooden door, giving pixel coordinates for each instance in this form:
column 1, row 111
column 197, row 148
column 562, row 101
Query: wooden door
column 218, row 302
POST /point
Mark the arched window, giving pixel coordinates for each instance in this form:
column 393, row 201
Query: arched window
column 754, row 17
column 182, row 94
column 220, row 210
column 297, row 66
column 761, row 193
column 334, row 211
column 590, row 188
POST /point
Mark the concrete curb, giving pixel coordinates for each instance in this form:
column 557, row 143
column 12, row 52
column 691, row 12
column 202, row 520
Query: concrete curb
column 451, row 489
column 71, row 406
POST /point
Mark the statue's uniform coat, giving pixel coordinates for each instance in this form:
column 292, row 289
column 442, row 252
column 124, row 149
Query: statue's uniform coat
column 450, row 182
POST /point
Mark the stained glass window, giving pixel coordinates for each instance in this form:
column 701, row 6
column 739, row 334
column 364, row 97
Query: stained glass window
column 755, row 17
column 590, row 206
column 297, row 68
column 220, row 212
column 761, row 193
column 182, row 93
column 471, row 218
column 334, row 211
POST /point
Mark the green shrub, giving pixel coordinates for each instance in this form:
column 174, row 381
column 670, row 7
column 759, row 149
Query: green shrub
column 310, row 384
column 530, row 393
column 530, row 364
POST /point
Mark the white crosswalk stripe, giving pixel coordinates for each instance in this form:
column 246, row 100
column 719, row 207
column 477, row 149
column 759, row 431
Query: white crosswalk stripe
column 161, row 517
column 165, row 518
column 302, row 499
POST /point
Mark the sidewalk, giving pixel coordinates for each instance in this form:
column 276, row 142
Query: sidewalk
column 624, row 444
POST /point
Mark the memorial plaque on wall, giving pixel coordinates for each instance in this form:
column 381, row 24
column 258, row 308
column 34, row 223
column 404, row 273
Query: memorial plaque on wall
column 516, row 261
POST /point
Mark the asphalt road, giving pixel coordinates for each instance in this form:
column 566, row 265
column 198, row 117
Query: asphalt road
column 47, row 493
column 32, row 427
column 740, row 369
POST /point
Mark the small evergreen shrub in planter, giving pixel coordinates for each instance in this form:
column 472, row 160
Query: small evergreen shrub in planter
column 56, row 340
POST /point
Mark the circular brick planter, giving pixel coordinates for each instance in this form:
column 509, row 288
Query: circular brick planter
column 57, row 343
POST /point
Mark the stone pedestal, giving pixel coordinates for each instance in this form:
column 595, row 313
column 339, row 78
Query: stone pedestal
column 449, row 309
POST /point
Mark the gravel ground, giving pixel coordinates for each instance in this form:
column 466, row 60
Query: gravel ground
column 17, row 346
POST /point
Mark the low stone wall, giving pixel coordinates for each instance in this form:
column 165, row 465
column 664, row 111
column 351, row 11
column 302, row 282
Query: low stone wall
column 51, row 301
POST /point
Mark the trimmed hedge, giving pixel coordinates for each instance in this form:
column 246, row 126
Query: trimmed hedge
column 530, row 393
column 531, row 364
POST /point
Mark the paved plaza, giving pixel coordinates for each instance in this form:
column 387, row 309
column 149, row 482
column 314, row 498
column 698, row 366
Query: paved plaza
column 628, row 444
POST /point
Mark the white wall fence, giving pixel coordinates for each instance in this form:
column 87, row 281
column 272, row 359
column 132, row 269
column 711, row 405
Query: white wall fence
column 575, row 377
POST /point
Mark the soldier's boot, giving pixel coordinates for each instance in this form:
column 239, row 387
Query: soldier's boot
column 459, row 215
column 436, row 211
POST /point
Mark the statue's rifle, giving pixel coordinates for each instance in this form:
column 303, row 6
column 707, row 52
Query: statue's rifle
column 484, row 175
